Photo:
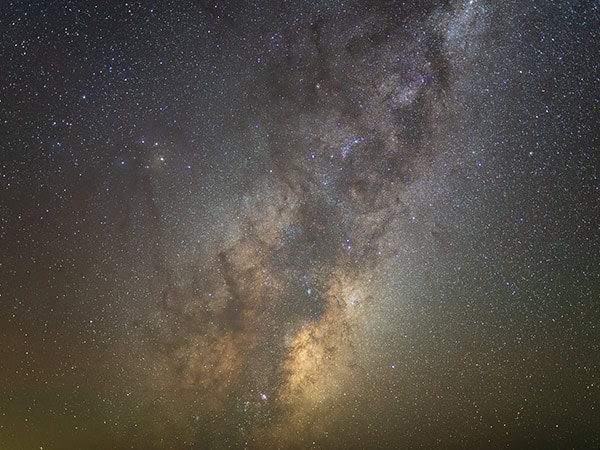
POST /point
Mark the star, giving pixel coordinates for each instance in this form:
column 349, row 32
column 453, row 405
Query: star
column 289, row 225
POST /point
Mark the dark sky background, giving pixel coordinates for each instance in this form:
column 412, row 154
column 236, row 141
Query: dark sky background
column 324, row 224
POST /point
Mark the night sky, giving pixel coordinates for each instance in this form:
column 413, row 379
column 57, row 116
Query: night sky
column 300, row 224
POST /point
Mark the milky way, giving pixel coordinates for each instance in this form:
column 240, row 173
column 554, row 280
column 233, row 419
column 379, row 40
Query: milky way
column 329, row 225
column 269, row 327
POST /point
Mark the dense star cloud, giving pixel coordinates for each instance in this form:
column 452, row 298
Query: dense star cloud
column 300, row 225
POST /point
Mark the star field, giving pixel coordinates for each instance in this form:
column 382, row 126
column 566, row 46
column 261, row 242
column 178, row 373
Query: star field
column 300, row 224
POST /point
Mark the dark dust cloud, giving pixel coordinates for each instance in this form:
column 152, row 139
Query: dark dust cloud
column 300, row 225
